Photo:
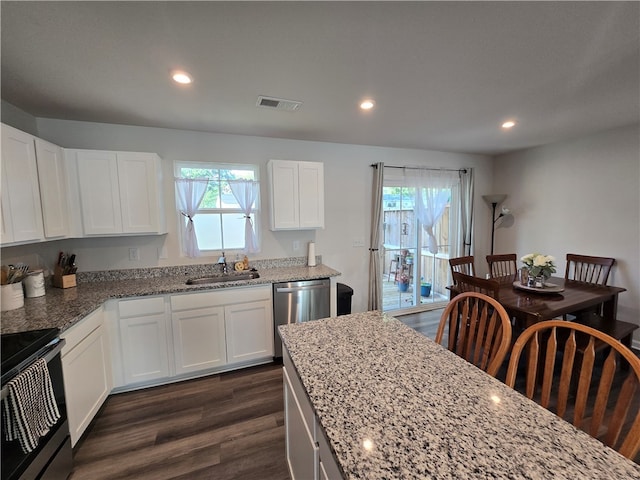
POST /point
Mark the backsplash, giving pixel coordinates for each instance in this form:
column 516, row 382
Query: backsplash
column 186, row 270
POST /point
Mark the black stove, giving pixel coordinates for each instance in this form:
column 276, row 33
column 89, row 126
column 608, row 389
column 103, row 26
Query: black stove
column 17, row 347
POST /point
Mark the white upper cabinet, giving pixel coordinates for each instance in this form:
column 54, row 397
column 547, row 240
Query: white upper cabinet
column 297, row 195
column 120, row 192
column 53, row 191
column 21, row 208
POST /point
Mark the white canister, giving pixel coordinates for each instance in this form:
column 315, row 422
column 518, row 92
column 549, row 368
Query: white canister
column 34, row 284
column 11, row 296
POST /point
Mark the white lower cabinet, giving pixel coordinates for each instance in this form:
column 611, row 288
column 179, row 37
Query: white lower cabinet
column 143, row 327
column 167, row 337
column 249, row 329
column 86, row 366
column 221, row 327
column 198, row 339
column 308, row 453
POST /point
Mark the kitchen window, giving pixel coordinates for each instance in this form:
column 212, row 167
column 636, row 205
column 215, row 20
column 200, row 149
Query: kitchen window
column 220, row 221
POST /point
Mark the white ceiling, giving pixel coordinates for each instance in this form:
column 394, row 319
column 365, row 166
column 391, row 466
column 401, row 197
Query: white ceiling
column 444, row 75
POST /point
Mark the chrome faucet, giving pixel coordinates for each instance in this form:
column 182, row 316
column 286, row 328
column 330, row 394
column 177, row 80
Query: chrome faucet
column 223, row 261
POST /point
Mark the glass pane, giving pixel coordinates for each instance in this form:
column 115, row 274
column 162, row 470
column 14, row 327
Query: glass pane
column 208, row 230
column 233, row 225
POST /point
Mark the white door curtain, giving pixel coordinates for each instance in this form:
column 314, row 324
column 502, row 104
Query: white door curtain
column 433, row 189
column 190, row 192
column 246, row 193
column 374, row 301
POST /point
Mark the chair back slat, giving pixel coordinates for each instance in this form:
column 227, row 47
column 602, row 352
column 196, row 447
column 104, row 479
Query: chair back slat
column 625, row 399
column 569, row 357
column 588, row 269
column 602, row 397
column 532, row 366
column 593, row 404
column 503, row 264
column 479, row 330
column 547, row 372
column 584, row 382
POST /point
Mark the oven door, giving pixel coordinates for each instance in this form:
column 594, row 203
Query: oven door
column 53, row 453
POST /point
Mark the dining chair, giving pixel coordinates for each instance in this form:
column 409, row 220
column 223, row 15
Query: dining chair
column 478, row 330
column 588, row 269
column 502, row 265
column 596, row 270
column 463, row 265
column 468, row 283
column 608, row 414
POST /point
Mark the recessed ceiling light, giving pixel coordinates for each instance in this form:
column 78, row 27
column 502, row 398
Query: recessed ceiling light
column 508, row 124
column 367, row 104
column 181, row 77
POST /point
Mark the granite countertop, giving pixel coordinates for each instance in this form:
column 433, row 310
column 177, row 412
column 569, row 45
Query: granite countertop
column 429, row 414
column 63, row 308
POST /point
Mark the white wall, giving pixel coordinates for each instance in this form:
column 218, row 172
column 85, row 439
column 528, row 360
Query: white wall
column 580, row 196
column 347, row 191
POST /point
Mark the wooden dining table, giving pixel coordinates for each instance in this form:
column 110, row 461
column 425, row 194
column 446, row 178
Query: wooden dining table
column 535, row 305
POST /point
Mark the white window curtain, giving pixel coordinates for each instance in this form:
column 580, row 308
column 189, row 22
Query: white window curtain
column 433, row 192
column 246, row 193
column 190, row 192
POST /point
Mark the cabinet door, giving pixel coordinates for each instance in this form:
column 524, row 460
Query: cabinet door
column 301, row 450
column 144, row 348
column 51, row 175
column 21, row 208
column 87, row 380
column 99, row 192
column 285, row 205
column 249, row 328
column 199, row 339
column 138, row 177
column 311, row 188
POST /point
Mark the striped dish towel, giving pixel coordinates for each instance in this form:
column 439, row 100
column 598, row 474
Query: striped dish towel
column 30, row 408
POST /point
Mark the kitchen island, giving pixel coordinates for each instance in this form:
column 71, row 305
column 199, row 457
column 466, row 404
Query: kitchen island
column 63, row 308
column 393, row 404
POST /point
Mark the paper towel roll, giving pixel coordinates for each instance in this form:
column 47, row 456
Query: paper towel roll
column 311, row 256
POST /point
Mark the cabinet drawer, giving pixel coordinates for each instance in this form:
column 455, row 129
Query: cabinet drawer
column 141, row 306
column 223, row 296
column 74, row 335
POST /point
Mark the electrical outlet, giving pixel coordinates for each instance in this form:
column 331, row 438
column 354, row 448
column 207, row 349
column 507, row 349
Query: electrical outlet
column 134, row 254
column 296, row 245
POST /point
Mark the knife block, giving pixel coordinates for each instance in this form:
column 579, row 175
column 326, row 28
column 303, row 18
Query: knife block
column 63, row 281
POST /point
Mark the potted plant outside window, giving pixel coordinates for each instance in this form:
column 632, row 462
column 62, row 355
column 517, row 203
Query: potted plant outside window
column 425, row 288
column 403, row 283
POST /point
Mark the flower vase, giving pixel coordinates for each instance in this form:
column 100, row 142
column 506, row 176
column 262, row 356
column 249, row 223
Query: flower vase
column 540, row 281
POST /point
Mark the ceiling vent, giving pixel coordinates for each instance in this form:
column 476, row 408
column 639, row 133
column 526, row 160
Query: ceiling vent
column 278, row 103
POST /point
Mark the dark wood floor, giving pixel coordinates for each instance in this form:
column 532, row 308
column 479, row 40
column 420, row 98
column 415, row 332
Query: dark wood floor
column 226, row 426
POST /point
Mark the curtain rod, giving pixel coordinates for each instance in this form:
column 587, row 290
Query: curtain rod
column 463, row 170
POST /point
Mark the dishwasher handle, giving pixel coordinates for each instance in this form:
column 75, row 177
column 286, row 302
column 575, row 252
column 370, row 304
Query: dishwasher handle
column 300, row 288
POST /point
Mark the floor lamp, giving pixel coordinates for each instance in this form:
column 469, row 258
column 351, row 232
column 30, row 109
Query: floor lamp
column 494, row 201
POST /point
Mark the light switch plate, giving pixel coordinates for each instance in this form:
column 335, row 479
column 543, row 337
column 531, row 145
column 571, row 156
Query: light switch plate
column 358, row 242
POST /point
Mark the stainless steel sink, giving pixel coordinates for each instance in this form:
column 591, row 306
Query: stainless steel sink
column 223, row 278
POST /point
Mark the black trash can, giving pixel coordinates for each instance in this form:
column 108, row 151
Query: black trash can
column 345, row 292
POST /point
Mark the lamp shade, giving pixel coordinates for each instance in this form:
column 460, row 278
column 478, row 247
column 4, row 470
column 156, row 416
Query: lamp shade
column 495, row 198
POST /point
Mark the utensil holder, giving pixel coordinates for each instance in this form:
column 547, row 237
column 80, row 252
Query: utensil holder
column 63, row 281
column 11, row 296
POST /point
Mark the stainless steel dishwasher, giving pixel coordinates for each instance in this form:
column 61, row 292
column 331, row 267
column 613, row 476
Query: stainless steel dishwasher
column 301, row 301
